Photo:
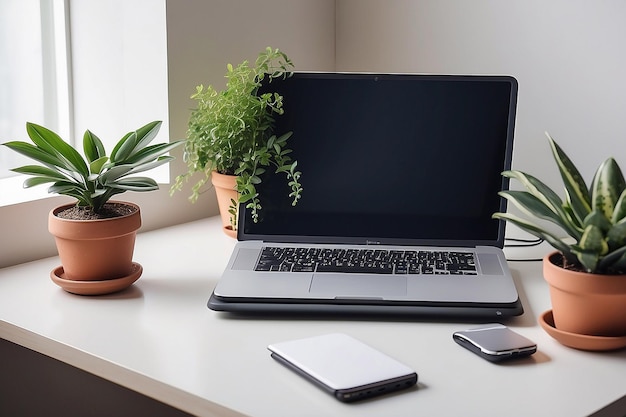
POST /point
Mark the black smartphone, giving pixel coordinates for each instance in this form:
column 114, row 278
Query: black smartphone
column 343, row 366
column 495, row 342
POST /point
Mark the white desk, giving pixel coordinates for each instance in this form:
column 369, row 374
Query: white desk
column 159, row 338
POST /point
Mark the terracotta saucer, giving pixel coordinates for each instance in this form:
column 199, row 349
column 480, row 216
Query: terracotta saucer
column 95, row 287
column 580, row 341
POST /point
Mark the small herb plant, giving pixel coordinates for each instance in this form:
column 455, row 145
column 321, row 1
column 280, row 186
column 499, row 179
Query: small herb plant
column 594, row 217
column 94, row 180
column 231, row 132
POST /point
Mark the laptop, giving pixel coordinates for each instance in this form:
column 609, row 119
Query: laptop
column 400, row 175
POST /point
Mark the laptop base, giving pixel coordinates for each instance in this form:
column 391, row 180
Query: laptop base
column 459, row 310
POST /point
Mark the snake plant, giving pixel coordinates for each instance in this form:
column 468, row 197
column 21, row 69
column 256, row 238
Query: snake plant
column 94, row 180
column 595, row 216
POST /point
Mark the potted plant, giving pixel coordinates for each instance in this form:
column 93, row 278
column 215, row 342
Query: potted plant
column 587, row 273
column 230, row 137
column 95, row 236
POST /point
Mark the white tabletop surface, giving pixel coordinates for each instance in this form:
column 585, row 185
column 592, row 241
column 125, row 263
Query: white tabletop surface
column 160, row 339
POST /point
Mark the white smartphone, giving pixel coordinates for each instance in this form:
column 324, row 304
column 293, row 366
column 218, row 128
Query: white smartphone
column 495, row 342
column 344, row 366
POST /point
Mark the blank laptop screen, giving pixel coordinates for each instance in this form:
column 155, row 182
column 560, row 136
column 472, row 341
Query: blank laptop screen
column 394, row 159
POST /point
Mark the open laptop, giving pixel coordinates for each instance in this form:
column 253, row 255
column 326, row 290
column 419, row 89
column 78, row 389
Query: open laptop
column 400, row 175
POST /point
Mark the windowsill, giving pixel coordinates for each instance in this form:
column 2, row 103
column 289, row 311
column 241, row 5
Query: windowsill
column 13, row 192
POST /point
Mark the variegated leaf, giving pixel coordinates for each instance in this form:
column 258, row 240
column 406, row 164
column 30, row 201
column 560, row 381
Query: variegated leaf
column 608, row 184
column 577, row 193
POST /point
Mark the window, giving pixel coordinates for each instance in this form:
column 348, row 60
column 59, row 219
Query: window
column 34, row 79
column 118, row 75
column 119, row 81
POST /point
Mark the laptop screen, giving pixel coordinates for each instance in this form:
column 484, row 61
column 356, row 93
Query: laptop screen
column 391, row 159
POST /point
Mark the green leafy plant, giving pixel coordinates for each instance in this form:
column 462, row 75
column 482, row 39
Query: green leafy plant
column 595, row 216
column 94, row 180
column 231, row 131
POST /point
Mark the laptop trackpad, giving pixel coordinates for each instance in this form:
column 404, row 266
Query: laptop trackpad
column 349, row 285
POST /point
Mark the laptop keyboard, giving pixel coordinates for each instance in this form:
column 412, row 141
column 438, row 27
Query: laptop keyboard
column 370, row 261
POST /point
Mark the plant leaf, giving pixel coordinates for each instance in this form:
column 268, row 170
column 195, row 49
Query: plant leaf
column 244, row 198
column 615, row 260
column 151, row 165
column 93, row 147
column 98, row 193
column 588, row 259
column 135, row 184
column 41, row 171
column 535, row 230
column 616, row 236
column 282, row 139
column 124, row 147
column 152, row 152
column 576, row 189
column 597, row 219
column 532, row 206
column 35, row 153
column 608, row 184
column 112, row 174
column 34, row 181
column 69, row 189
column 550, row 199
column 51, row 143
column 593, row 241
column 120, row 171
column 146, row 134
column 96, row 166
column 619, row 213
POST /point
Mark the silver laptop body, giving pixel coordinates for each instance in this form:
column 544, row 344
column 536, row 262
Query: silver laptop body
column 394, row 167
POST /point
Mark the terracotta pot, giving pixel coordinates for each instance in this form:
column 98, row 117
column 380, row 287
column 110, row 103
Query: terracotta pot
column 583, row 303
column 226, row 190
column 95, row 250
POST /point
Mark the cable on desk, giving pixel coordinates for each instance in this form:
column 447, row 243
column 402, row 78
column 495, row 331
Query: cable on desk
column 523, row 243
column 525, row 260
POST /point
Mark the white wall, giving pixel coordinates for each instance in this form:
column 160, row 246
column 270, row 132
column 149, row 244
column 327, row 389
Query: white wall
column 568, row 56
